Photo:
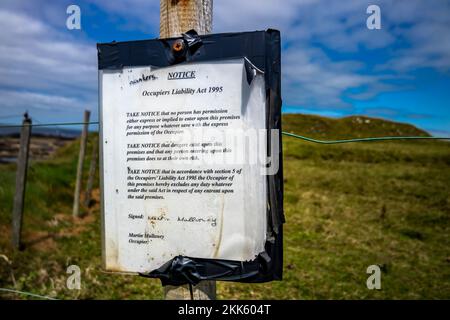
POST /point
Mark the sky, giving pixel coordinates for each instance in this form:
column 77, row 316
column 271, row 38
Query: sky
column 332, row 64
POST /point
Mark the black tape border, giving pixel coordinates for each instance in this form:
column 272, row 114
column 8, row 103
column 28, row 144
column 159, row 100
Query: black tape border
column 263, row 49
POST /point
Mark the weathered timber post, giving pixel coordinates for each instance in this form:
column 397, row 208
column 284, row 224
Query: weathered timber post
column 83, row 139
column 92, row 167
column 176, row 17
column 21, row 179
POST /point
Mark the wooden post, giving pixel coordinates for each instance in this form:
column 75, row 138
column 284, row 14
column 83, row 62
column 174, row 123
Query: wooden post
column 21, row 179
column 83, row 139
column 92, row 167
column 177, row 17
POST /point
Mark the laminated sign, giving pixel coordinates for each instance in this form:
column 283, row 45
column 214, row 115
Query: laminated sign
column 191, row 157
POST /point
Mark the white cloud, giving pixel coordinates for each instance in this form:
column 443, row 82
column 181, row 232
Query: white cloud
column 39, row 63
column 23, row 100
column 311, row 78
column 320, row 40
column 310, row 29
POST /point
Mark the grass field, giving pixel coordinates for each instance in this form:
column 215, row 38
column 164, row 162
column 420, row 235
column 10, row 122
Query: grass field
column 347, row 207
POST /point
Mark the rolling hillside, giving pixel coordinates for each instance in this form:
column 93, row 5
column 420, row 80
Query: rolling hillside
column 342, row 128
column 347, row 207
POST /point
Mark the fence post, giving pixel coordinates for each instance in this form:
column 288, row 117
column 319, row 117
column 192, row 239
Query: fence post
column 21, row 179
column 92, row 167
column 177, row 17
column 83, row 139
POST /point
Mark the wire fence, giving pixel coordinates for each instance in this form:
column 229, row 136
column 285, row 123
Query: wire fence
column 27, row 294
column 363, row 139
column 289, row 134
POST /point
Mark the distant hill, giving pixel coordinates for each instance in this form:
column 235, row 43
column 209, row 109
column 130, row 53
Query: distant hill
column 44, row 142
column 347, row 127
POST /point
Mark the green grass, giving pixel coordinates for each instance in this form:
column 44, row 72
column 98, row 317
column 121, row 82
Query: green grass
column 347, row 207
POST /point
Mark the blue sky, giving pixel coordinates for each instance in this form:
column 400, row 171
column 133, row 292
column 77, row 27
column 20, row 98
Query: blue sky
column 332, row 64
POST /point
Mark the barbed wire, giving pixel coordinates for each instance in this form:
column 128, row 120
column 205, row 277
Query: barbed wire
column 27, row 293
column 363, row 139
column 283, row 132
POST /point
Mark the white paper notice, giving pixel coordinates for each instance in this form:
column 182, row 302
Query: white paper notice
column 175, row 182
